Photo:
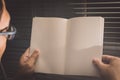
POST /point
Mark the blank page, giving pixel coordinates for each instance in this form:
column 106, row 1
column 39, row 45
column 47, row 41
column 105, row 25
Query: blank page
column 49, row 35
column 84, row 42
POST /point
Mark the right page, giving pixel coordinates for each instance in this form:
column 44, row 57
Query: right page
column 84, row 42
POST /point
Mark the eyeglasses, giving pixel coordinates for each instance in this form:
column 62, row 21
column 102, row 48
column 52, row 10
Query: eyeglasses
column 9, row 33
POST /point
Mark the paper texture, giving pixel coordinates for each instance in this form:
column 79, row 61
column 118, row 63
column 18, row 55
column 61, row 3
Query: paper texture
column 67, row 46
column 48, row 34
column 84, row 42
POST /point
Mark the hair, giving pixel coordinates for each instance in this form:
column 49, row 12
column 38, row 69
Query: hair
column 1, row 4
column 1, row 8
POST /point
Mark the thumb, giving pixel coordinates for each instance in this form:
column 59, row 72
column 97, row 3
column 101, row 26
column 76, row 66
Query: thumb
column 33, row 58
column 99, row 64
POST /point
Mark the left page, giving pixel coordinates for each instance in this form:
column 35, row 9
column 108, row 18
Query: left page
column 49, row 35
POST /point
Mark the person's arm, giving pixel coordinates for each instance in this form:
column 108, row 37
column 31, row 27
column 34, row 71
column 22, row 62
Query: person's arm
column 27, row 64
column 109, row 69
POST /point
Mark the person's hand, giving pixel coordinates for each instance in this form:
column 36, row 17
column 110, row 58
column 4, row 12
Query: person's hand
column 27, row 62
column 109, row 69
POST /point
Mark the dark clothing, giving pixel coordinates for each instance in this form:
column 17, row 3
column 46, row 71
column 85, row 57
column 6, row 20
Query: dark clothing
column 2, row 73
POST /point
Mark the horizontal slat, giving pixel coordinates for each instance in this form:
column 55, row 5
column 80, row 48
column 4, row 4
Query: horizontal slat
column 112, row 37
column 97, row 12
column 112, row 47
column 113, row 32
column 112, row 43
column 112, row 52
column 95, row 3
column 112, row 17
column 97, row 8
column 112, row 22
column 112, row 27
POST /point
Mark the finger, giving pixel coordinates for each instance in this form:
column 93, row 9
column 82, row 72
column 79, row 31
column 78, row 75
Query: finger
column 108, row 58
column 99, row 64
column 26, row 53
column 33, row 58
column 35, row 54
column 24, row 56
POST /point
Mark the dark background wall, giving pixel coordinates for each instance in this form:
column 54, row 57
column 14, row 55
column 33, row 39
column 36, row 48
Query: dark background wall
column 22, row 12
column 21, row 18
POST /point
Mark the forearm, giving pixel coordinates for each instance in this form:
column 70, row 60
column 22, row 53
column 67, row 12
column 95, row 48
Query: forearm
column 23, row 74
column 23, row 77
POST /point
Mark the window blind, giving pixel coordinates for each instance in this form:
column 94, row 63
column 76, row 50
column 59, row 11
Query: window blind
column 110, row 10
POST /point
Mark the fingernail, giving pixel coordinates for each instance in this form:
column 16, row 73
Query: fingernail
column 94, row 60
column 37, row 50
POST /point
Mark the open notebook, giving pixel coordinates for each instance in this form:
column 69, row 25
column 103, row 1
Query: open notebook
column 67, row 46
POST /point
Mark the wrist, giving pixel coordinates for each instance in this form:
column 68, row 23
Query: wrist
column 24, row 74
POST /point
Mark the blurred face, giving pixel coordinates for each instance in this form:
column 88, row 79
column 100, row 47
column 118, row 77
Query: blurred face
column 4, row 22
